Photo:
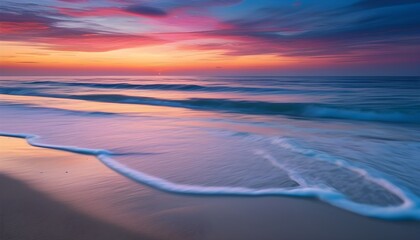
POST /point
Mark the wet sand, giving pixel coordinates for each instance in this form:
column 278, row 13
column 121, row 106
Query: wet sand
column 49, row 194
column 29, row 214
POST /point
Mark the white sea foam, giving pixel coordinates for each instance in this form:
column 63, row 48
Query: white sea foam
column 409, row 200
column 408, row 210
column 295, row 176
column 31, row 139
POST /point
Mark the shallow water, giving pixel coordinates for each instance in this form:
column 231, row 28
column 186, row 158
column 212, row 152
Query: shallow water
column 353, row 142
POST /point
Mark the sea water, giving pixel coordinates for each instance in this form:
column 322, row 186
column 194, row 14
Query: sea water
column 352, row 142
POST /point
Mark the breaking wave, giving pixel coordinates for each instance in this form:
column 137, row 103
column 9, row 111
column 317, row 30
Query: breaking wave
column 300, row 110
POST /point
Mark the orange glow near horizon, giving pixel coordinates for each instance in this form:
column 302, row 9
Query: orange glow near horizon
column 162, row 58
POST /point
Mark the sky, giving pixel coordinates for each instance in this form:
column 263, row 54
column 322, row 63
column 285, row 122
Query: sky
column 210, row 37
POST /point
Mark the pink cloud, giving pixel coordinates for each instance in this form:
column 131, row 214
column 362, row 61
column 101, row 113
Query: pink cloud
column 21, row 27
column 99, row 42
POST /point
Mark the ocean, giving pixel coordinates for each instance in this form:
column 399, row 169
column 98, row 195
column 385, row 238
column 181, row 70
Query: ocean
column 351, row 142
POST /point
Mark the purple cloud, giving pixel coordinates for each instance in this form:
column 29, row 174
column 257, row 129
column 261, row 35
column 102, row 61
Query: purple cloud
column 146, row 11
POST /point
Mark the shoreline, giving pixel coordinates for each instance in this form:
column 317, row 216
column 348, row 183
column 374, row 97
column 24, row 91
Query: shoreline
column 89, row 187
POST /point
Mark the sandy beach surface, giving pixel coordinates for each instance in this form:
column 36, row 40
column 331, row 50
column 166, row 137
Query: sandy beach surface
column 50, row 194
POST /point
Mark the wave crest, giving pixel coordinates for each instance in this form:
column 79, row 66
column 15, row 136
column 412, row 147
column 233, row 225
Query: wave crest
column 300, row 110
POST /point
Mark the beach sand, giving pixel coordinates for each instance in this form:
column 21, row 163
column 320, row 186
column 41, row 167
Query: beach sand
column 49, row 194
column 29, row 214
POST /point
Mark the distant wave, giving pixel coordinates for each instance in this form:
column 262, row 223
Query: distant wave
column 408, row 209
column 311, row 110
column 61, row 110
column 175, row 87
column 300, row 110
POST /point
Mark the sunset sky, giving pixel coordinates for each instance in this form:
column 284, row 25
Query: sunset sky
column 210, row 37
